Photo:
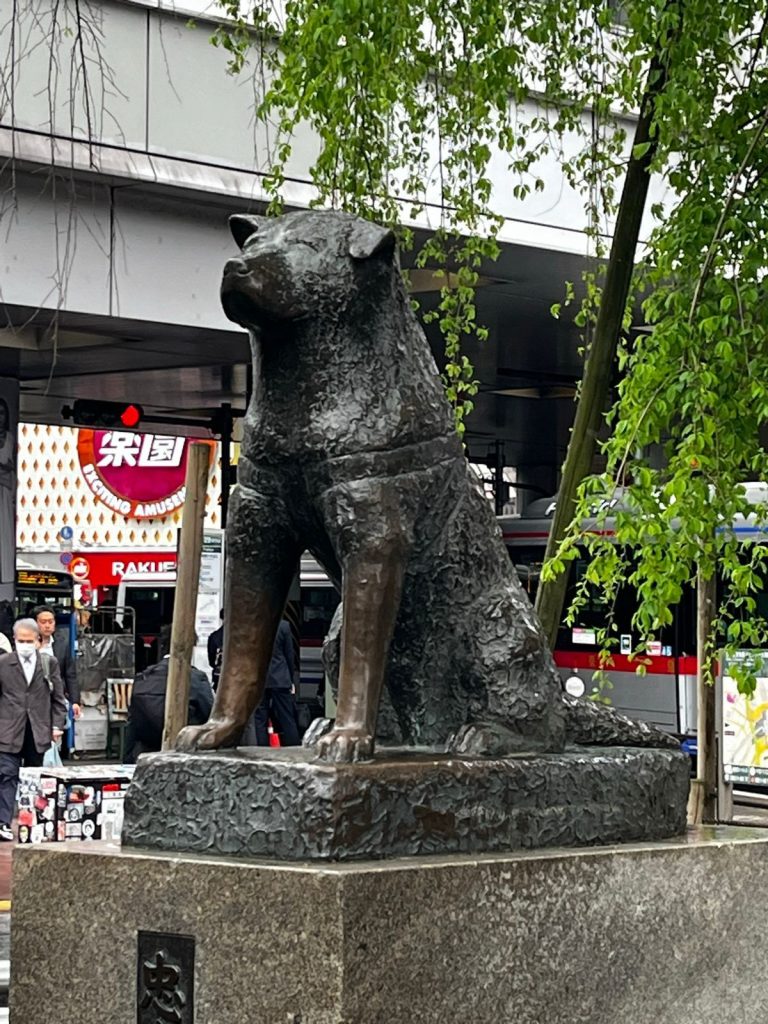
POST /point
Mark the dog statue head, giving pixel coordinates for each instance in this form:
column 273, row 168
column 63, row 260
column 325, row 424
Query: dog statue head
column 292, row 267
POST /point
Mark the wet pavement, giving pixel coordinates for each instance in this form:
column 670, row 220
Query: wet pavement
column 756, row 817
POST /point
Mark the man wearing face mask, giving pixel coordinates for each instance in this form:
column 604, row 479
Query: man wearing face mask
column 33, row 713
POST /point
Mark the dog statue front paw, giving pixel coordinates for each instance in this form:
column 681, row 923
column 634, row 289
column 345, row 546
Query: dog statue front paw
column 214, row 734
column 344, row 746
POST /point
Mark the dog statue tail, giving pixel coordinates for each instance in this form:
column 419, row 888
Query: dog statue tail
column 589, row 723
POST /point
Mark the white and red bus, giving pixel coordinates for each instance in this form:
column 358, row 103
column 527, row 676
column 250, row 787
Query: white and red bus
column 666, row 694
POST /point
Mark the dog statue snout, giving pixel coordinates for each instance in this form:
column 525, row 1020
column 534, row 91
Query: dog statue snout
column 236, row 268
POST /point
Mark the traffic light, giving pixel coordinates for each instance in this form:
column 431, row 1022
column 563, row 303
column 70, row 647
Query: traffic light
column 104, row 415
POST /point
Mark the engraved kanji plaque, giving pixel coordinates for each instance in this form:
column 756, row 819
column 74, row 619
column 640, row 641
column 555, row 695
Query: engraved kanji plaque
column 165, row 978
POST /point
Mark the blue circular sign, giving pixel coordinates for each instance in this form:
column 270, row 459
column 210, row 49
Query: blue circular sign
column 66, row 557
column 66, row 533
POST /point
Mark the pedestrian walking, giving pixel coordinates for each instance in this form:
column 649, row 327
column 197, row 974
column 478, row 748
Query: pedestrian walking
column 33, row 713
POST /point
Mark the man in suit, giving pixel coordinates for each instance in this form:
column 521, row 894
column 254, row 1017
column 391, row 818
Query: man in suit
column 59, row 647
column 33, row 713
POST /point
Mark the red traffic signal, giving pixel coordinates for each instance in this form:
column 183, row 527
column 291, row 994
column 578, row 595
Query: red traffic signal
column 131, row 416
column 104, row 415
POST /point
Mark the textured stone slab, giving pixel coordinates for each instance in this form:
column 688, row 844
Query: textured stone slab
column 657, row 933
column 287, row 804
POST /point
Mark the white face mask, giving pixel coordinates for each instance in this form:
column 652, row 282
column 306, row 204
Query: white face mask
column 25, row 648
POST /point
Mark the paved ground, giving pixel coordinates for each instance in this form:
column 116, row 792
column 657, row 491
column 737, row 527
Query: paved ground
column 6, row 850
column 5, row 963
column 754, row 816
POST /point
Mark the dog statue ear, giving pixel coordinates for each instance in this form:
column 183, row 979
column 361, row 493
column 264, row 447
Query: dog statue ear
column 243, row 225
column 369, row 240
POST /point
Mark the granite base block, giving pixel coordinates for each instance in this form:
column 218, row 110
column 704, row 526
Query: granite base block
column 287, row 804
column 658, row 933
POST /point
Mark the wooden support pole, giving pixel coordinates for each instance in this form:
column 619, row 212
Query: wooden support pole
column 702, row 806
column 187, row 580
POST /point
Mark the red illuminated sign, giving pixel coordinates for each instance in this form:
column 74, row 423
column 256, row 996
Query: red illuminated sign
column 139, row 476
column 107, row 568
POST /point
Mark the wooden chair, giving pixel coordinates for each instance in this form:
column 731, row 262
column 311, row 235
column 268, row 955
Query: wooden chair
column 118, row 701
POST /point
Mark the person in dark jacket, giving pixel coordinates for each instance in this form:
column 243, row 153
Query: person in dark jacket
column 279, row 703
column 215, row 649
column 146, row 713
column 33, row 713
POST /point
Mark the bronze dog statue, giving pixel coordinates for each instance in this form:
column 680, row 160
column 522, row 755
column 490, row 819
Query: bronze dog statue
column 350, row 451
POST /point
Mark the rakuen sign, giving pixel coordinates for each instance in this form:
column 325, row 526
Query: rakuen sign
column 107, row 568
column 139, row 476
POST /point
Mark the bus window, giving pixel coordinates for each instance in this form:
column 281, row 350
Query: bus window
column 36, row 587
column 41, row 586
column 594, row 612
column 153, row 609
column 676, row 639
column 318, row 603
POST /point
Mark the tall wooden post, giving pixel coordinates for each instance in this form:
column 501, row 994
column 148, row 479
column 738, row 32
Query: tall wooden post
column 702, row 807
column 601, row 357
column 187, row 580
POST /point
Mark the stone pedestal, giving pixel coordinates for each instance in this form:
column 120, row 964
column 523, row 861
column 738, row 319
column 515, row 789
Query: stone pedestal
column 655, row 933
column 285, row 803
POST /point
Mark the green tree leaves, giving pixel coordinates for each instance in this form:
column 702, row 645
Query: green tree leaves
column 418, row 104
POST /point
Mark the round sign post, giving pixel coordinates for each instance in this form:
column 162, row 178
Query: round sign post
column 79, row 568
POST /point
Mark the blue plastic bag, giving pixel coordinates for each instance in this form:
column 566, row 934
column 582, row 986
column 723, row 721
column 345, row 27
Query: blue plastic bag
column 52, row 757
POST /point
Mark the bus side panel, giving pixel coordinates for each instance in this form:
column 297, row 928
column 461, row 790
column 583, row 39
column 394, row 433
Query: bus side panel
column 651, row 698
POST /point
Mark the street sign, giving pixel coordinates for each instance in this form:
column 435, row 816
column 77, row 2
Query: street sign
column 80, row 568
